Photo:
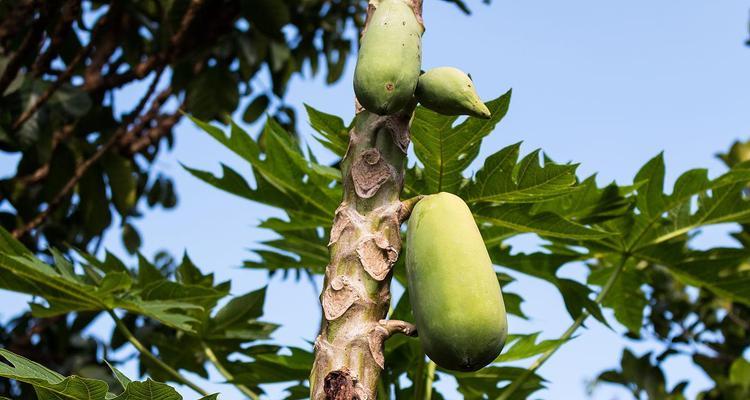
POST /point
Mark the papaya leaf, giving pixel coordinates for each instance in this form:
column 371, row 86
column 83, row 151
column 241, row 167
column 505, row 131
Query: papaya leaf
column 230, row 181
column 723, row 271
column 103, row 286
column 121, row 378
column 518, row 217
column 504, row 179
column 662, row 217
column 588, row 204
column 545, row 266
column 148, row 390
column 274, row 368
column 513, row 304
column 446, row 151
column 237, row 318
column 307, row 191
column 300, row 245
column 334, row 135
column 625, row 297
column 282, row 165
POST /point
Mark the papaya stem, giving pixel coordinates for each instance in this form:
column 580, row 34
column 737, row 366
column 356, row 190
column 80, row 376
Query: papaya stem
column 507, row 393
column 151, row 357
column 419, row 372
column 429, row 379
column 208, row 351
column 423, row 379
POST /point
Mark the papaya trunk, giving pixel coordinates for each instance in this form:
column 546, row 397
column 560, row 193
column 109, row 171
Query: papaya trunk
column 365, row 243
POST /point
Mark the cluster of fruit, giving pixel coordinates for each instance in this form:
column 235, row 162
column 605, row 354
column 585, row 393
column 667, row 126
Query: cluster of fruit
column 454, row 292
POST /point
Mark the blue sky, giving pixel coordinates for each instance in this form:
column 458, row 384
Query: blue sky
column 604, row 84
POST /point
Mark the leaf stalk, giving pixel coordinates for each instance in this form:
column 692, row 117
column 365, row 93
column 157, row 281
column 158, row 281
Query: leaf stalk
column 507, row 393
column 226, row 374
column 151, row 357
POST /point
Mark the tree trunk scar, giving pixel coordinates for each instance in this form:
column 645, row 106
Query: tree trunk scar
column 370, row 172
column 339, row 385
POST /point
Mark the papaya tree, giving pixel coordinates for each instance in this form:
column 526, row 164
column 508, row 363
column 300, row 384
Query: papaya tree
column 346, row 224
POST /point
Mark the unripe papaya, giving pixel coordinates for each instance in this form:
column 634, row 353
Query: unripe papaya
column 450, row 91
column 453, row 289
column 390, row 58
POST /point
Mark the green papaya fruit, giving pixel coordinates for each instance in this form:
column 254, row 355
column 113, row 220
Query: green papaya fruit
column 390, row 58
column 450, row 91
column 453, row 289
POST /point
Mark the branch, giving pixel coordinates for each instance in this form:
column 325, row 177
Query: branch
column 394, row 326
column 151, row 357
column 19, row 15
column 84, row 166
column 158, row 60
column 63, row 27
column 153, row 135
column 187, row 19
column 566, row 335
column 226, row 374
column 30, row 41
column 41, row 173
column 62, row 79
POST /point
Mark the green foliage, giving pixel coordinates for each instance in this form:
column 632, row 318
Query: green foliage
column 503, row 179
column 687, row 323
column 103, row 286
column 179, row 313
column 446, row 150
column 641, row 377
column 626, row 235
column 90, row 166
column 50, row 385
column 306, row 191
column 613, row 230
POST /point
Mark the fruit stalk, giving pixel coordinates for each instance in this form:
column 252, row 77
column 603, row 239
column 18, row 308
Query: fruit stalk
column 365, row 242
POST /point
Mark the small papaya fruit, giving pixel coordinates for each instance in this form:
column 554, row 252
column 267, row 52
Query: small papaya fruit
column 453, row 289
column 450, row 91
column 390, row 58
